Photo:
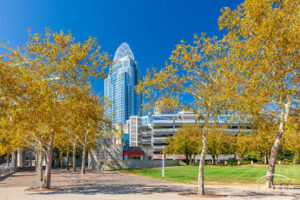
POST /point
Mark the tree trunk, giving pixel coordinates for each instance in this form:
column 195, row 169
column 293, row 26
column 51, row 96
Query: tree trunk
column 74, row 157
column 48, row 159
column 217, row 159
column 14, row 158
column 39, row 165
column 187, row 159
column 30, row 159
column 7, row 161
column 273, row 158
column 213, row 159
column 191, row 159
column 266, row 159
column 68, row 161
column 83, row 160
column 194, row 159
column 61, row 160
column 36, row 161
column 202, row 157
column 283, row 155
column 276, row 145
column 296, row 157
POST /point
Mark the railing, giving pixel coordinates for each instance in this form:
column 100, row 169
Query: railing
column 146, row 141
column 159, row 139
column 165, row 130
column 158, row 147
column 173, row 122
column 146, row 133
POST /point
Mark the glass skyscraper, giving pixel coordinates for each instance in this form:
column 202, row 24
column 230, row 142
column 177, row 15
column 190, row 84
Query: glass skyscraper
column 119, row 86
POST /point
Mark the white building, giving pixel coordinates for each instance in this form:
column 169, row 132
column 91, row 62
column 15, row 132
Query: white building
column 155, row 131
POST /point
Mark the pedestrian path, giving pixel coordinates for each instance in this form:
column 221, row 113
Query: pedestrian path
column 117, row 186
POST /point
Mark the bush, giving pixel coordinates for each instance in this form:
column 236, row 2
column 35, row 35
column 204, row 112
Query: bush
column 232, row 161
column 250, row 158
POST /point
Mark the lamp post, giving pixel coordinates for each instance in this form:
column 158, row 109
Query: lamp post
column 163, row 166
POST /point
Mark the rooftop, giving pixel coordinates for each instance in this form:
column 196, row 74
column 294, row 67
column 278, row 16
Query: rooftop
column 123, row 51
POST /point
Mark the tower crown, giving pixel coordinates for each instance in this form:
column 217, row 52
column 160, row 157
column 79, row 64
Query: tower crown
column 123, row 51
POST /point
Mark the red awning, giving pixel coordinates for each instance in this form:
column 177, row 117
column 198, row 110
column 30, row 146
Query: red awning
column 133, row 153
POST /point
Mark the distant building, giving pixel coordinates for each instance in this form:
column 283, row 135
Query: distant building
column 119, row 86
column 139, row 131
column 154, row 132
column 143, row 138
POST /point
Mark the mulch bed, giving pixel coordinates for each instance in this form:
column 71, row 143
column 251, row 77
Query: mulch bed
column 203, row 196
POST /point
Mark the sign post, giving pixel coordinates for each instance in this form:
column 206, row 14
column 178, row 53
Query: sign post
column 163, row 166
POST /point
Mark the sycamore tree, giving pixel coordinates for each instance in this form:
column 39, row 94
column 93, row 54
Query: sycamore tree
column 62, row 145
column 186, row 141
column 70, row 128
column 8, row 97
column 90, row 119
column 45, row 70
column 264, row 136
column 9, row 144
column 292, row 137
column 85, row 122
column 264, row 56
column 195, row 70
column 244, row 144
column 65, row 144
column 219, row 142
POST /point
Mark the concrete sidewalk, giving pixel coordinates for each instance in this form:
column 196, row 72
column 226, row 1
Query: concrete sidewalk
column 117, row 186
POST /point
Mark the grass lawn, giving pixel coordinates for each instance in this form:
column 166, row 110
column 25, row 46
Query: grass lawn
column 246, row 174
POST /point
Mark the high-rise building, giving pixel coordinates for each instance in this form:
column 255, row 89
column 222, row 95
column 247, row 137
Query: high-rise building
column 119, row 86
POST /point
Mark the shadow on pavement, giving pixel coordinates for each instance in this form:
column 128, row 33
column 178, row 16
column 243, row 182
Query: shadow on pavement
column 92, row 189
column 113, row 183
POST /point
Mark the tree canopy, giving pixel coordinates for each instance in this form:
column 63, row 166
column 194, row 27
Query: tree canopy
column 40, row 82
column 263, row 41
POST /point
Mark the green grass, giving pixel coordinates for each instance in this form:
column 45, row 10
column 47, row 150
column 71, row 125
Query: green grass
column 246, row 174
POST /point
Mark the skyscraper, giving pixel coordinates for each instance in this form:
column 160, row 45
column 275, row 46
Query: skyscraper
column 119, row 86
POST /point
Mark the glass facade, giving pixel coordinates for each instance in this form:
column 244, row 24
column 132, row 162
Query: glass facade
column 119, row 86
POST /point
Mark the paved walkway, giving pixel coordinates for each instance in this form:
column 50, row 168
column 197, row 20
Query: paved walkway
column 118, row 186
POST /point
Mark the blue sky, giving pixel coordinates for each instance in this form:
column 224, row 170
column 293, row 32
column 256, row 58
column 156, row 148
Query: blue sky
column 152, row 28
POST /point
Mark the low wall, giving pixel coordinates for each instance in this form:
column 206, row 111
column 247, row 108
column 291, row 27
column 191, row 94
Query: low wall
column 124, row 164
column 105, row 153
column 4, row 173
column 110, row 157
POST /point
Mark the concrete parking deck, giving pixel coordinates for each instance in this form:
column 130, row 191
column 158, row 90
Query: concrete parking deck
column 103, row 185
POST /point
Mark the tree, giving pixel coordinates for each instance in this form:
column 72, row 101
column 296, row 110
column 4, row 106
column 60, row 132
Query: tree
column 264, row 57
column 8, row 145
column 218, row 142
column 187, row 141
column 70, row 128
column 91, row 122
column 196, row 70
column 292, row 137
column 264, row 136
column 45, row 72
column 62, row 145
column 8, row 142
column 243, row 145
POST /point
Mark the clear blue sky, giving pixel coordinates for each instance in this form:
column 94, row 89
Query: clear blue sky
column 152, row 28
